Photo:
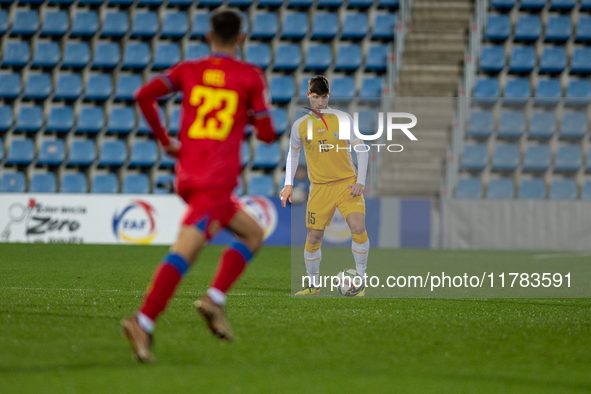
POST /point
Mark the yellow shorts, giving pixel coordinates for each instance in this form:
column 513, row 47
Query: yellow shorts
column 326, row 197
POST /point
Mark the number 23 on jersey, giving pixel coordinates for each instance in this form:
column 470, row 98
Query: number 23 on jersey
column 208, row 99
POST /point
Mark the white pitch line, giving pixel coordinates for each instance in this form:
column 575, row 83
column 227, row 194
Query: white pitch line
column 562, row 255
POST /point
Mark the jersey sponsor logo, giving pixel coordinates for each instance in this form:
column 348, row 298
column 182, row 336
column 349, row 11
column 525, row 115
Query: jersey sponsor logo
column 263, row 210
column 135, row 223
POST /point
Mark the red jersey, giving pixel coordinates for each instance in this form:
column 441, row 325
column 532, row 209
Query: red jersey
column 220, row 96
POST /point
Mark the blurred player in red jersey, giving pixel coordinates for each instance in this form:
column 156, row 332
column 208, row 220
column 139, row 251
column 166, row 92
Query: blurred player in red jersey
column 220, row 96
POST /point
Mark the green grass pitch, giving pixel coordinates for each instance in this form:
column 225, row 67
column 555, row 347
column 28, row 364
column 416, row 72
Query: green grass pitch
column 60, row 307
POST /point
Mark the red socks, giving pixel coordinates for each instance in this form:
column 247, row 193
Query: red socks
column 232, row 263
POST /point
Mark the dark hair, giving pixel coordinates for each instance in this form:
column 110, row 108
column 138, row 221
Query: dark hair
column 225, row 26
column 319, row 85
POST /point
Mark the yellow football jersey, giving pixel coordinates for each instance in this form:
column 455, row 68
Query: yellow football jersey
column 328, row 158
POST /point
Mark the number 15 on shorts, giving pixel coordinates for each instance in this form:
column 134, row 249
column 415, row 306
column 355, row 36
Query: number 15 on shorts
column 311, row 218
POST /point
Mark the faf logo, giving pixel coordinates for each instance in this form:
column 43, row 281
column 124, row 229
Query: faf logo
column 135, row 224
column 263, row 210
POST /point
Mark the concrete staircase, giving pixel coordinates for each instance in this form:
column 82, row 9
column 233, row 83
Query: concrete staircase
column 432, row 64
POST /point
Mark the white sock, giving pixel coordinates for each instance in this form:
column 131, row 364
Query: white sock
column 360, row 253
column 313, row 266
column 145, row 322
column 216, row 295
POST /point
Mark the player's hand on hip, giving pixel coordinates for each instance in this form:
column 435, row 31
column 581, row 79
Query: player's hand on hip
column 285, row 194
column 172, row 149
column 356, row 189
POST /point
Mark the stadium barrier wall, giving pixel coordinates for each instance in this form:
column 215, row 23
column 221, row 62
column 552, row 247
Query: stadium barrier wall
column 516, row 224
column 154, row 219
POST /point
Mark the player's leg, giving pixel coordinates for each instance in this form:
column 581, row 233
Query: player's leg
column 233, row 261
column 360, row 243
column 313, row 256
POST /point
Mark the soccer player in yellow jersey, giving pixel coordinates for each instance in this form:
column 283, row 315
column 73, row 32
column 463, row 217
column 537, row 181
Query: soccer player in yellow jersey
column 334, row 182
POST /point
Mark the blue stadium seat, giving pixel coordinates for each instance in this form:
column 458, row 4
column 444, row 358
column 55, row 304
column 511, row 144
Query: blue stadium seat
column 164, row 184
column 20, row 151
column 10, row 85
column 150, row 2
column 73, row 183
column 505, row 157
column 136, row 55
column 342, row 88
column 68, row 87
column 563, row 189
column 371, row 87
column 166, row 55
column 144, row 24
column 498, row 27
column 85, row 23
column 5, row 117
column 329, row 3
column 213, row 3
column 106, row 55
column 581, row 61
column 271, row 3
column 578, row 92
column 383, row 26
column 486, row 90
column 282, row 89
column 585, row 5
column 25, row 22
column 492, row 58
column 480, row 124
column 366, row 121
column 548, row 91
column 200, row 24
column 65, row 1
column 104, row 183
column 568, row 158
column 363, row 3
column 299, row 3
column 267, row 155
column 259, row 54
column 469, row 188
column 127, row 84
column 240, row 3
column 523, row 59
column 143, row 126
column 318, row 57
column 239, row 189
column 503, row 5
column 60, row 119
column 287, row 57
column 264, row 26
column 355, row 26
column 82, row 153
column 348, row 57
column 295, row 25
column 121, row 120
column 563, row 5
column 532, row 189
column 98, row 87
column 511, row 124
column 174, row 121
column 76, row 54
column 12, row 182
column 29, row 119
column 532, row 4
column 38, row 86
column 261, row 185
column 51, row 153
column 16, row 53
column 55, row 23
column 42, row 183
column 500, row 188
column 542, row 125
column 324, row 26
column 279, row 118
column 136, row 184
column 167, row 161
column 174, row 24
column 113, row 153
column 586, row 191
column 474, row 157
column 553, row 60
column 195, row 51
column 573, row 125
column 90, row 120
column 46, row 54
column 115, row 24
column 3, row 21
column 537, row 158
column 528, row 28
column 517, row 91
column 377, row 58
column 588, row 161
column 584, row 29
column 143, row 154
column 244, row 153
column 558, row 28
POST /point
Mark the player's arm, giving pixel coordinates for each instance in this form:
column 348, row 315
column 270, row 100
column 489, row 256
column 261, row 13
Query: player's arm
column 291, row 165
column 259, row 104
column 362, row 163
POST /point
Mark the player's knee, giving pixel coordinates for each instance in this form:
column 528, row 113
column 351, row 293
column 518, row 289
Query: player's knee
column 314, row 238
column 357, row 228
